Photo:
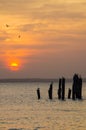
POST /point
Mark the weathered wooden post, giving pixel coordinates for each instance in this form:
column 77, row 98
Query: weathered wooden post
column 63, row 88
column 69, row 93
column 80, row 88
column 59, row 89
column 74, row 87
column 38, row 93
column 50, row 91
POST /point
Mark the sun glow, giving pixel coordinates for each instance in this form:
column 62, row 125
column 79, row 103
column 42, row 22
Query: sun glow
column 14, row 66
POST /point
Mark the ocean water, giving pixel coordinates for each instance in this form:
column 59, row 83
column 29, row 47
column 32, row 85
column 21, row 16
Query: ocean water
column 21, row 110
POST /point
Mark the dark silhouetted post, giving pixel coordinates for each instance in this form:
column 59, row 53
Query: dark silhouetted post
column 59, row 89
column 75, row 87
column 63, row 88
column 38, row 93
column 50, row 91
column 80, row 88
column 69, row 93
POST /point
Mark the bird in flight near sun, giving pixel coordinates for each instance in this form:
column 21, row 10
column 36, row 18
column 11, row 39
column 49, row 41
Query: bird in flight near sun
column 19, row 36
column 7, row 25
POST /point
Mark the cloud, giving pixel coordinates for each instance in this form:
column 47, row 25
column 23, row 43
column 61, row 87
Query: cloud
column 3, row 35
column 33, row 27
column 3, row 38
column 16, row 7
column 50, row 10
column 32, row 47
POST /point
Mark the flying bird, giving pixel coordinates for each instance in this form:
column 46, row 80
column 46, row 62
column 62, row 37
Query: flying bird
column 7, row 25
column 19, row 36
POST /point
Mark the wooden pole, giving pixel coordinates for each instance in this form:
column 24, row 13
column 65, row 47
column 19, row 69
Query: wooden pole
column 50, row 91
column 69, row 93
column 59, row 89
column 38, row 93
column 63, row 88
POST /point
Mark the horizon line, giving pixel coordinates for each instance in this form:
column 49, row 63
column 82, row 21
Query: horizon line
column 4, row 80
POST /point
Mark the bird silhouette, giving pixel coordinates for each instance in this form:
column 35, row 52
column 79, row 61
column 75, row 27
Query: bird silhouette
column 19, row 36
column 7, row 25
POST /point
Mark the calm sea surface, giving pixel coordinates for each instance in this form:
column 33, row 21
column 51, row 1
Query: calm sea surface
column 21, row 110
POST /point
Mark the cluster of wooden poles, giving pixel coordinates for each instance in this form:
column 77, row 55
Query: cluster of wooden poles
column 76, row 90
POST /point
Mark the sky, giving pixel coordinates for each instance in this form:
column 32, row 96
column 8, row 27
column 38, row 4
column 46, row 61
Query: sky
column 42, row 38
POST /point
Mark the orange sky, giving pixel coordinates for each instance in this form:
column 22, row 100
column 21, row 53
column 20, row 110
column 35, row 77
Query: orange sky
column 47, row 39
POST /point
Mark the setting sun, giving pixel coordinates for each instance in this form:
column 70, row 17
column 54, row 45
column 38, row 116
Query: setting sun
column 14, row 66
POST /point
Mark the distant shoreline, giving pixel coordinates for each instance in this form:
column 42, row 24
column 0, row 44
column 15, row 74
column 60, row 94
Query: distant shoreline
column 27, row 80
column 33, row 80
